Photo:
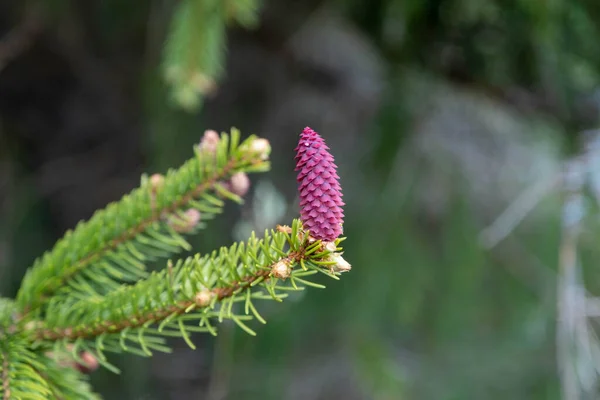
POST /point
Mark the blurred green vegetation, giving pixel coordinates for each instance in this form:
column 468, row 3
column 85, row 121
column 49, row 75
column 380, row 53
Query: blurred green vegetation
column 426, row 312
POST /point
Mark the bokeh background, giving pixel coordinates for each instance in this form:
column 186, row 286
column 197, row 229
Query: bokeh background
column 440, row 114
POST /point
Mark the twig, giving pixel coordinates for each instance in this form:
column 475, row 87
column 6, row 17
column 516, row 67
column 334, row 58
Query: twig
column 108, row 327
column 571, row 299
column 517, row 211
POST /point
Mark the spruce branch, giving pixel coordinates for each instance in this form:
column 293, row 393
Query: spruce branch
column 91, row 295
column 149, row 223
column 194, row 52
column 189, row 295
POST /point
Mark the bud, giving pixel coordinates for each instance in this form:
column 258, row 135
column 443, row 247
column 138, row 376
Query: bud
column 203, row 83
column 284, row 229
column 261, row 147
column 156, row 182
column 88, row 364
column 203, row 298
column 330, row 246
column 31, row 325
column 187, row 97
column 341, row 264
column 64, row 359
column 239, row 184
column 281, row 270
column 187, row 222
column 209, row 142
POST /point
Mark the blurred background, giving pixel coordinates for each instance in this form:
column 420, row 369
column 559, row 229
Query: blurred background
column 440, row 114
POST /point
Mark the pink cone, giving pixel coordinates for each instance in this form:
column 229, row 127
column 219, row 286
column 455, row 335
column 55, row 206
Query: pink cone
column 318, row 184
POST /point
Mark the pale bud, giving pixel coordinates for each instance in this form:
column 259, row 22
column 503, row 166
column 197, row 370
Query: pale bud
column 330, row 246
column 203, row 83
column 89, row 363
column 156, row 181
column 261, row 147
column 187, row 97
column 203, row 298
column 187, row 222
column 239, row 184
column 209, row 141
column 341, row 264
column 281, row 270
column 33, row 325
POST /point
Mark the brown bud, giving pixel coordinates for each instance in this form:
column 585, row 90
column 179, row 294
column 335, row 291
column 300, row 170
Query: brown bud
column 239, row 184
column 284, row 229
column 203, row 298
column 281, row 270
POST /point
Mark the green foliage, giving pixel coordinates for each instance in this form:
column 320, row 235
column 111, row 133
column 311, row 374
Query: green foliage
column 188, row 296
column 91, row 294
column 21, row 378
column 116, row 243
column 195, row 49
column 66, row 382
column 28, row 374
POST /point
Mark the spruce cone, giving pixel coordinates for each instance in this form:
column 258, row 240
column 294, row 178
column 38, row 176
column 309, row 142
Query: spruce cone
column 320, row 192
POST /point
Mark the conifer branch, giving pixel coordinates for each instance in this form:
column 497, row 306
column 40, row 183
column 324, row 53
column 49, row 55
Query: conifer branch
column 195, row 289
column 194, row 51
column 91, row 294
column 114, row 245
